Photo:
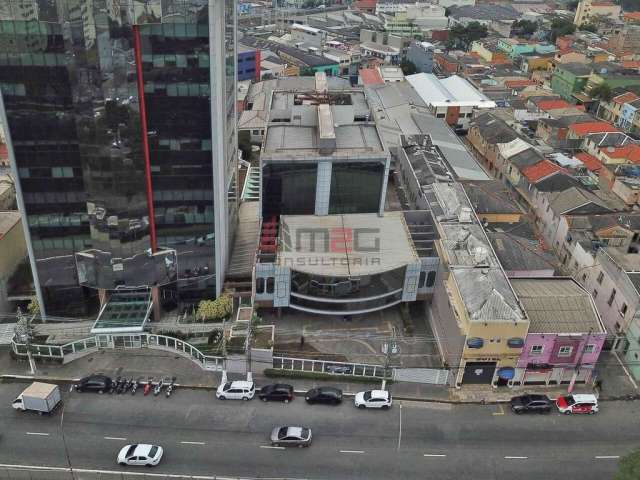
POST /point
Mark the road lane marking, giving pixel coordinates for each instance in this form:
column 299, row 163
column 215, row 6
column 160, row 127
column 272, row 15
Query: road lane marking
column 400, row 428
column 605, row 457
column 501, row 412
column 351, row 451
column 193, row 443
column 272, row 447
column 38, row 433
column 516, row 458
column 121, row 439
column 434, row 455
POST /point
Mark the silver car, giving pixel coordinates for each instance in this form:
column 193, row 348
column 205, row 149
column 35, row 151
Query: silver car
column 291, row 437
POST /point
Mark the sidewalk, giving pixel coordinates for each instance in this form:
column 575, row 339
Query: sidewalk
column 154, row 363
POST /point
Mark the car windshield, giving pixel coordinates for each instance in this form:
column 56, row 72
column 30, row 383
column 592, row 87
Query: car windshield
column 569, row 399
column 227, row 386
column 367, row 395
column 153, row 451
column 132, row 449
column 305, row 433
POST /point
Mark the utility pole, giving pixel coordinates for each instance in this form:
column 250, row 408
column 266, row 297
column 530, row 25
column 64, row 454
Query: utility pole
column 576, row 371
column 389, row 348
column 24, row 331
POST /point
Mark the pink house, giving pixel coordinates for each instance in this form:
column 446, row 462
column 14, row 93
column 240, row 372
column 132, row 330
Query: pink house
column 565, row 332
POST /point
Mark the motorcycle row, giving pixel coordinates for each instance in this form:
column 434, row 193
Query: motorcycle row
column 123, row 385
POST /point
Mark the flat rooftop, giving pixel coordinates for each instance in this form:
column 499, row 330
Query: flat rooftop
column 331, row 246
column 321, row 124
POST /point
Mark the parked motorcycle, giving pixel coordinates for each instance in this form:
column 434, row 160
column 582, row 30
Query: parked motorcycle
column 121, row 385
column 114, row 385
column 158, row 388
column 135, row 385
column 147, row 387
column 171, row 387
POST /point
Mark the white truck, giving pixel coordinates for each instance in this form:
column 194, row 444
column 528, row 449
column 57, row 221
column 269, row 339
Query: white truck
column 38, row 397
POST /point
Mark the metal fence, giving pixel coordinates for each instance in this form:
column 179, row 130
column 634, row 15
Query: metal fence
column 73, row 350
column 333, row 368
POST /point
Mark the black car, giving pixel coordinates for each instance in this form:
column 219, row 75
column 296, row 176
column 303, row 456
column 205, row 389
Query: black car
column 278, row 391
column 344, row 369
column 330, row 395
column 94, row 383
column 531, row 403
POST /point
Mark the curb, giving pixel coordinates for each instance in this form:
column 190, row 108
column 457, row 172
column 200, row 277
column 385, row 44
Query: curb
column 302, row 392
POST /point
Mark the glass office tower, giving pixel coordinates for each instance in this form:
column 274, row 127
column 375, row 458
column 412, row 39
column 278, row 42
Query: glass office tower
column 122, row 131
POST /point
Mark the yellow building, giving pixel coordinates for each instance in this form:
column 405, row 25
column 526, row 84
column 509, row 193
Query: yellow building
column 589, row 11
column 480, row 325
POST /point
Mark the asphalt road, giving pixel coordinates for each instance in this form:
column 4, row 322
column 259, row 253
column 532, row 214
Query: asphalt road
column 205, row 436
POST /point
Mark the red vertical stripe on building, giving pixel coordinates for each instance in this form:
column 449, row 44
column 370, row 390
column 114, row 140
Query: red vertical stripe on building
column 258, row 62
column 137, row 45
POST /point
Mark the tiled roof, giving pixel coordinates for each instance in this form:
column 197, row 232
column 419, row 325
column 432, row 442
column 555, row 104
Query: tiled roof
column 540, row 170
column 625, row 98
column 591, row 162
column 632, row 15
column 631, row 64
column 553, row 104
column 586, row 128
column 525, row 82
column 371, row 76
column 630, row 152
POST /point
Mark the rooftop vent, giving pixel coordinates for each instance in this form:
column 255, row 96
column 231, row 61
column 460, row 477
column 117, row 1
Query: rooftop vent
column 327, row 133
column 322, row 85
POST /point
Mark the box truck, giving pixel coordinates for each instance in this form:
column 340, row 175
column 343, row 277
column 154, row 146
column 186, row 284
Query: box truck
column 39, row 397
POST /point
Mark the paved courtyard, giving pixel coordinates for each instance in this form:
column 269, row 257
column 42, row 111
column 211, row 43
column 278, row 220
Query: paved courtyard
column 360, row 339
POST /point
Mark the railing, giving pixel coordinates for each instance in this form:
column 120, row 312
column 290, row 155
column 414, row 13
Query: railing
column 73, row 350
column 330, row 367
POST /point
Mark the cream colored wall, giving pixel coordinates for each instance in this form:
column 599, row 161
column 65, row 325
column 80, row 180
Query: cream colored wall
column 500, row 332
column 13, row 248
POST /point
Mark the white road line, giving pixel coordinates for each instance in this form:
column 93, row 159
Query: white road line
column 122, row 439
column 193, row 443
column 604, row 457
column 38, row 433
column 400, row 428
column 272, row 447
column 434, row 455
column 516, row 458
column 351, row 451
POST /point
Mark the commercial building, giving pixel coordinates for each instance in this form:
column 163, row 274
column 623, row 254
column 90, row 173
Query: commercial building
column 421, row 55
column 453, row 99
column 122, row 135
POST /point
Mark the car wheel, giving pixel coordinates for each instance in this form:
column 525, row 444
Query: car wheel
column 517, row 412
column 148, row 465
column 100, row 392
column 592, row 412
column 568, row 412
column 222, row 397
column 286, row 400
column 264, row 399
column 361, row 407
column 385, row 407
column 79, row 390
column 122, row 463
column 301, row 446
column 245, row 398
column 275, row 444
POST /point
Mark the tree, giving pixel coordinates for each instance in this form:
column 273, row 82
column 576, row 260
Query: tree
column 215, row 310
column 408, row 67
column 589, row 27
column 34, row 307
column 560, row 27
column 523, row 27
column 629, row 467
column 602, row 91
column 461, row 37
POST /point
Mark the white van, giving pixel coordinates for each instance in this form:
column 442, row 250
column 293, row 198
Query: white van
column 580, row 403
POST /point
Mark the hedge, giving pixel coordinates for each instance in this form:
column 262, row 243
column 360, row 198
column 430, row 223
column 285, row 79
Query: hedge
column 278, row 373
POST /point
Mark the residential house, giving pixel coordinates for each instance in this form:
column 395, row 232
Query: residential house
column 486, row 133
column 487, row 50
column 611, row 111
column 515, row 157
column 554, row 131
column 626, row 184
column 626, row 41
column 630, row 116
column 570, row 56
column 596, row 143
column 582, row 129
column 570, row 78
column 613, row 74
column 369, row 76
column 565, row 336
column 447, row 64
column 493, row 202
column 386, row 53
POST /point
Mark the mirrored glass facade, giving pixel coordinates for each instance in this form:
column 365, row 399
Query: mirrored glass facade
column 69, row 79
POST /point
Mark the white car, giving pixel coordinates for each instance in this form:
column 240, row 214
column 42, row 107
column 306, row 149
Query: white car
column 238, row 390
column 373, row 399
column 140, row 454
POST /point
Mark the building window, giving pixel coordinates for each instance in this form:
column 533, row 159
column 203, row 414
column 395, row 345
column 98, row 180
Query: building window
column 611, row 297
column 600, row 277
column 431, row 278
column 623, row 309
column 590, row 348
column 565, row 351
column 536, row 349
column 595, row 293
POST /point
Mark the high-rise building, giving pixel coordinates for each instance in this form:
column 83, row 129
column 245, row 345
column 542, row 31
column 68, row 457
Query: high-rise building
column 121, row 119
